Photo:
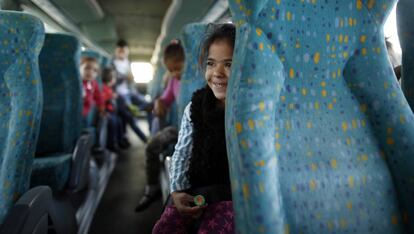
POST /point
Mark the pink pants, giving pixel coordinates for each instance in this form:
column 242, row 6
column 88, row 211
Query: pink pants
column 218, row 218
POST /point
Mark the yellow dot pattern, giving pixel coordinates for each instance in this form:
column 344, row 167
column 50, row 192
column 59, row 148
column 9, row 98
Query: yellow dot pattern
column 325, row 145
column 21, row 40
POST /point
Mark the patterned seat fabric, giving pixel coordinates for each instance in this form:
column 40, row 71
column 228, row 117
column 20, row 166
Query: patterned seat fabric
column 21, row 39
column 155, row 85
column 320, row 136
column 53, row 171
column 61, row 118
column 172, row 115
column 192, row 77
column 93, row 54
column 62, row 91
column 105, row 62
column 405, row 18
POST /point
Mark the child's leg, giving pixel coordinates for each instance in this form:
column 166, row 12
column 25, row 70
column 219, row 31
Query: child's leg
column 218, row 218
column 171, row 222
column 158, row 123
column 136, row 129
column 112, row 131
column 119, row 128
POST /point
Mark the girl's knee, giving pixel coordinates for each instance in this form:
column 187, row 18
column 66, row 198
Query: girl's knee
column 218, row 218
column 170, row 222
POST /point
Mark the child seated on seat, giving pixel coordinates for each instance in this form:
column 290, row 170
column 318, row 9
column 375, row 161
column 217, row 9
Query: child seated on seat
column 199, row 163
column 174, row 61
column 92, row 96
column 115, row 133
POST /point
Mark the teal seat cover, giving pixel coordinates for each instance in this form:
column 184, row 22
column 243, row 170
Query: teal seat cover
column 155, row 85
column 172, row 115
column 53, row 171
column 320, row 136
column 93, row 54
column 105, row 62
column 61, row 119
column 192, row 78
column 21, row 39
column 62, row 89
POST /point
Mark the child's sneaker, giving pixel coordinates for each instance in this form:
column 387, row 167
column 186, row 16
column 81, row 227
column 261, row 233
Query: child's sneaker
column 134, row 110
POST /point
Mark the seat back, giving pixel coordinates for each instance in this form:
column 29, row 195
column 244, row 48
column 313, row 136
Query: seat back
column 105, row 62
column 93, row 54
column 21, row 39
column 405, row 18
column 192, row 78
column 62, row 88
column 320, row 137
column 155, row 85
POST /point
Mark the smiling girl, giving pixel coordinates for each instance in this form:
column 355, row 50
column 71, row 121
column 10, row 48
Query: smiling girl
column 199, row 163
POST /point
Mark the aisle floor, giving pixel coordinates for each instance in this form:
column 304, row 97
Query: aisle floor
column 115, row 213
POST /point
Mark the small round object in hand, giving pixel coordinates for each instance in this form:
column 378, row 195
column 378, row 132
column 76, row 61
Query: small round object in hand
column 199, row 200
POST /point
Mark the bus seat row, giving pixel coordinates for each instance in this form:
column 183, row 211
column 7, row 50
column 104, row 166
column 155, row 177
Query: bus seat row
column 44, row 146
column 405, row 18
column 319, row 134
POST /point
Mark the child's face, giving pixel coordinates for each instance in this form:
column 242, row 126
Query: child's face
column 89, row 71
column 218, row 68
column 122, row 52
column 175, row 67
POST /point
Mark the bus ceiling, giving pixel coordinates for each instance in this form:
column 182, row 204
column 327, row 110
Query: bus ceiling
column 147, row 25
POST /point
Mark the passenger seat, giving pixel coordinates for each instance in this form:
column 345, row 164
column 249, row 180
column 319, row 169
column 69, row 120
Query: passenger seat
column 21, row 210
column 62, row 155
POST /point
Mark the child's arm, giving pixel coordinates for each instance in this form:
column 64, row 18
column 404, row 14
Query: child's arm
column 167, row 97
column 182, row 153
column 98, row 98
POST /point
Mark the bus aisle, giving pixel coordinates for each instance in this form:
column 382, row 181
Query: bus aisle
column 115, row 213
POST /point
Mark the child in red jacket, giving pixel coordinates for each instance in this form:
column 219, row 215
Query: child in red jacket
column 89, row 70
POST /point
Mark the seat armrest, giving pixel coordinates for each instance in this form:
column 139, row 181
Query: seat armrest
column 165, row 178
column 167, row 164
column 102, row 132
column 80, row 163
column 28, row 212
column 31, row 212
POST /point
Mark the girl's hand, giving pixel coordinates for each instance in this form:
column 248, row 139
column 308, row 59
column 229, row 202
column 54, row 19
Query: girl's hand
column 159, row 108
column 182, row 202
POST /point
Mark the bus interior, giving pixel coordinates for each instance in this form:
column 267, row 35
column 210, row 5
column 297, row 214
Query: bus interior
column 318, row 119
